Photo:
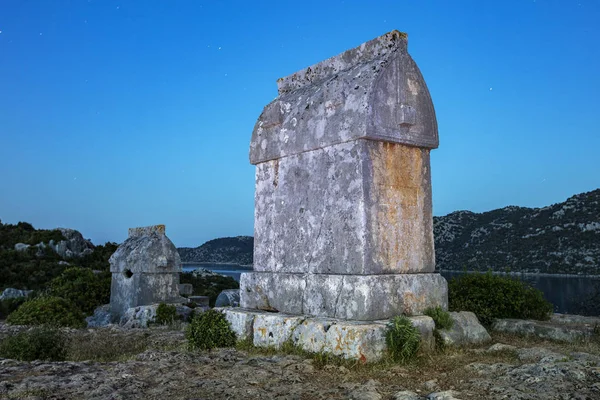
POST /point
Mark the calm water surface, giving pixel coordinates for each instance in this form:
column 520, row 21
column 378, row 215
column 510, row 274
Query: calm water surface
column 564, row 292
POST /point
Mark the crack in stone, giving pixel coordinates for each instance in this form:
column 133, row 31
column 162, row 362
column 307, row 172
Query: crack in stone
column 337, row 300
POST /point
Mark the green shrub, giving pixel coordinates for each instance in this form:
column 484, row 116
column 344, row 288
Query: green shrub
column 166, row 314
column 492, row 296
column 82, row 287
column 40, row 343
column 98, row 259
column 208, row 330
column 402, row 339
column 441, row 317
column 48, row 310
column 8, row 306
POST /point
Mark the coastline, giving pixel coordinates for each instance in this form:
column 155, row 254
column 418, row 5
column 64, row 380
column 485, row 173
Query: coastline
column 515, row 273
column 245, row 266
column 512, row 273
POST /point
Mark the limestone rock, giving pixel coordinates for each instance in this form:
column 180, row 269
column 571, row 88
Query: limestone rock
column 407, row 395
column 101, row 317
column 539, row 354
column 203, row 272
column 142, row 316
column 241, row 321
column 11, row 293
column 426, row 326
column 500, row 347
column 353, row 297
column 21, row 246
column 273, row 330
column 465, row 330
column 368, row 391
column 559, row 329
column 431, row 385
column 364, row 341
column 228, row 298
column 444, row 395
column 74, row 246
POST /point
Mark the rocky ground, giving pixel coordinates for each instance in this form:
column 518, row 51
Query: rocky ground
column 154, row 364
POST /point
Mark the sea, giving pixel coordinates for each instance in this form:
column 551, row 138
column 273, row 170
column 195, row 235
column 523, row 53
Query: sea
column 565, row 292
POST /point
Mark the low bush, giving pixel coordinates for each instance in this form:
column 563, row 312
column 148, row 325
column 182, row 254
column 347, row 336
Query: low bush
column 166, row 314
column 40, row 343
column 10, row 305
column 402, row 339
column 209, row 330
column 84, row 288
column 48, row 310
column 492, row 296
column 441, row 317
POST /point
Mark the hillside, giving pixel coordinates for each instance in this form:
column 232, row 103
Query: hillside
column 561, row 238
column 30, row 258
column 229, row 250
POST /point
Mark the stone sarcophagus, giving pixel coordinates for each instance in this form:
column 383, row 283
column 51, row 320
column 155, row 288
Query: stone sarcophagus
column 343, row 213
column 145, row 270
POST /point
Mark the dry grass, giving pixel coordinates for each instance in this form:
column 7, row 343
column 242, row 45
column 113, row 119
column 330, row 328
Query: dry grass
column 446, row 366
column 591, row 346
column 104, row 346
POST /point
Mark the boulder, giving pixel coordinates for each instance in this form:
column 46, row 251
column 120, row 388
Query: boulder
column 444, row 395
column 228, row 298
column 558, row 329
column 499, row 347
column 11, row 293
column 186, row 289
column 466, row 330
column 101, row 317
column 406, row 395
column 75, row 246
column 203, row 272
column 141, row 316
column 21, row 246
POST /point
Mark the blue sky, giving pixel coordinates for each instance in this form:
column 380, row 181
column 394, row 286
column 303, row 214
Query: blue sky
column 115, row 114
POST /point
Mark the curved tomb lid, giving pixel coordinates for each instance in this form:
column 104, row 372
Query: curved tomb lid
column 146, row 250
column 374, row 91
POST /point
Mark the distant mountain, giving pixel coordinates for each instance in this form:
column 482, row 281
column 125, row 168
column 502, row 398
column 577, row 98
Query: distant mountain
column 561, row 238
column 230, row 250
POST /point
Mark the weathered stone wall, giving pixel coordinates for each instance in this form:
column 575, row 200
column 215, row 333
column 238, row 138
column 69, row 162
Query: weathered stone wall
column 343, row 214
column 145, row 270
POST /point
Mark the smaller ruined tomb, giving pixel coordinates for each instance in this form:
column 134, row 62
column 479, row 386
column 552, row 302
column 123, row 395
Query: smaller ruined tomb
column 145, row 270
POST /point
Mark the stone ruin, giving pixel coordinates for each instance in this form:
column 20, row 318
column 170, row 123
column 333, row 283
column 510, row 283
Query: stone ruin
column 343, row 227
column 145, row 270
column 343, row 212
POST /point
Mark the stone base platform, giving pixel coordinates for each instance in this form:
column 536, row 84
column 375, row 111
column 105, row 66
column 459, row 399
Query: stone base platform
column 352, row 297
column 359, row 340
